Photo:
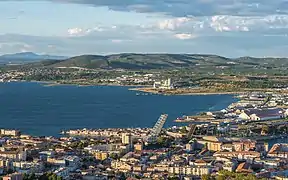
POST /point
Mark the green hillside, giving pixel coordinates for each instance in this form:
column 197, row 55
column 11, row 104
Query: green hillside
column 141, row 61
column 164, row 61
column 84, row 61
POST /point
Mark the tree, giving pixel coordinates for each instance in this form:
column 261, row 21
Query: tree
column 49, row 176
column 161, row 140
column 122, row 176
column 265, row 129
column 173, row 178
column 224, row 174
column 220, row 178
column 114, row 156
column 32, row 177
column 183, row 130
column 206, row 177
column 205, row 146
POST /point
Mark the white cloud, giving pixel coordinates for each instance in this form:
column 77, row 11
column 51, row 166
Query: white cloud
column 50, row 46
column 24, row 50
column 16, row 46
column 82, row 32
column 172, row 24
column 256, row 23
column 225, row 23
column 184, row 36
column 116, row 40
column 75, row 31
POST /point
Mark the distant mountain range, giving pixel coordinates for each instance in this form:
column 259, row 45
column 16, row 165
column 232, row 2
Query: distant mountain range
column 27, row 57
column 145, row 61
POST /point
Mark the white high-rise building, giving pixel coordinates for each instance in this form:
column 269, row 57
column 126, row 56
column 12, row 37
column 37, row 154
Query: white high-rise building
column 166, row 84
column 126, row 138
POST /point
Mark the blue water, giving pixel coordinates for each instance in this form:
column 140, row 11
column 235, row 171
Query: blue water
column 40, row 110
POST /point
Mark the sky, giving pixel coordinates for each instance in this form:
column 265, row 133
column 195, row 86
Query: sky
column 229, row 28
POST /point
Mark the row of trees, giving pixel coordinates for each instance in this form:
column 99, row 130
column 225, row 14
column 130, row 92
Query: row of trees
column 46, row 176
column 224, row 175
column 259, row 84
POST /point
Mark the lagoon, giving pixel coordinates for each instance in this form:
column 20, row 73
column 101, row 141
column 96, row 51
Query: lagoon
column 46, row 110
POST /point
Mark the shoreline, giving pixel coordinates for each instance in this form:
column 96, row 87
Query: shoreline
column 139, row 88
column 154, row 91
column 151, row 90
column 54, row 83
column 201, row 91
column 136, row 88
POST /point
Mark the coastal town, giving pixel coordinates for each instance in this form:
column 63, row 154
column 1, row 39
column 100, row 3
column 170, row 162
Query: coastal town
column 144, row 90
column 175, row 82
column 246, row 140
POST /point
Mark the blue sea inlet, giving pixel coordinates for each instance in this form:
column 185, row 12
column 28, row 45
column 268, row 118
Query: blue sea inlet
column 46, row 110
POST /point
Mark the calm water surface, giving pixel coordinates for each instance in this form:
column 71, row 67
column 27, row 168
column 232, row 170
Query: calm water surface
column 41, row 110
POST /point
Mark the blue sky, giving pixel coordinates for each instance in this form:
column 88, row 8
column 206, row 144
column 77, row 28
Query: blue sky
column 72, row 27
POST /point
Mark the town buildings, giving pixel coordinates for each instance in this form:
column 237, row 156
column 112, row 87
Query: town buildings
column 256, row 114
column 15, row 176
column 9, row 132
column 230, row 140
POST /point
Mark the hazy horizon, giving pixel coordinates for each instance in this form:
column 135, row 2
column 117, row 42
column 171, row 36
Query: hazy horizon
column 45, row 54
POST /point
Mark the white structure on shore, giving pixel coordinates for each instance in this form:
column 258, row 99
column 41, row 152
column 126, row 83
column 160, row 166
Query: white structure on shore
column 9, row 132
column 166, row 84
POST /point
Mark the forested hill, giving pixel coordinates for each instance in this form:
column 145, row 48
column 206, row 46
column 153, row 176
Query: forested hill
column 160, row 61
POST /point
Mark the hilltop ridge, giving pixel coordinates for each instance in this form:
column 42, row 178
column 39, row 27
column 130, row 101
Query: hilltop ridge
column 27, row 57
column 159, row 61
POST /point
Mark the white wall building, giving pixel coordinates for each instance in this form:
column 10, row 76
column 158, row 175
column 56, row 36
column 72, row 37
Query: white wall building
column 166, row 84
